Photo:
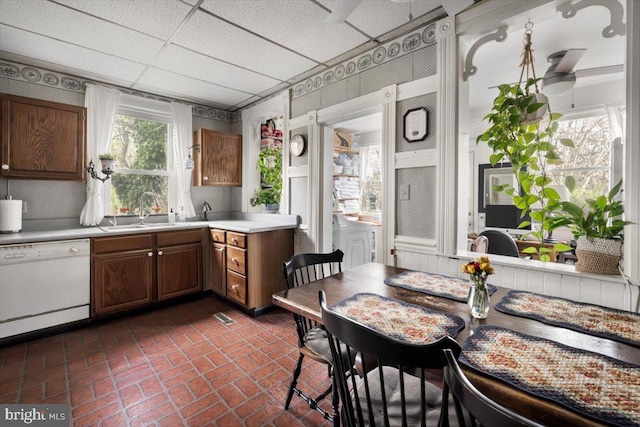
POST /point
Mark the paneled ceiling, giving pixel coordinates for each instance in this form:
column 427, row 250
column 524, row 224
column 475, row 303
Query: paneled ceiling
column 222, row 53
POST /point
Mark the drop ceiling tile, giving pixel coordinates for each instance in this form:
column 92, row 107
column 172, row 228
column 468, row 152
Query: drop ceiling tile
column 380, row 16
column 59, row 22
column 298, row 25
column 155, row 79
column 182, row 61
column 218, row 39
column 72, row 57
column 157, row 18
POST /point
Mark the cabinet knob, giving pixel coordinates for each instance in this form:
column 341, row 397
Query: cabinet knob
column 234, row 240
column 150, row 254
column 206, row 178
column 160, row 252
column 234, row 260
column 5, row 167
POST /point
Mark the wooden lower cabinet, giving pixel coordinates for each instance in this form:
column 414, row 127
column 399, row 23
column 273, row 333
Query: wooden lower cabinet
column 179, row 270
column 122, row 280
column 136, row 270
column 218, row 268
column 250, row 270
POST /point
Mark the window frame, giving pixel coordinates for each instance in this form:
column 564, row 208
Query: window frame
column 144, row 109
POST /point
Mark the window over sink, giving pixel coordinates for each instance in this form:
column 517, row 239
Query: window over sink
column 139, row 143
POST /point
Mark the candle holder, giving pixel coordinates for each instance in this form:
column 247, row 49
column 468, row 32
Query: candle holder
column 108, row 171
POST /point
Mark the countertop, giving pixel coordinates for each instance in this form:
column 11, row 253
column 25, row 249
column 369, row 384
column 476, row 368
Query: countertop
column 52, row 230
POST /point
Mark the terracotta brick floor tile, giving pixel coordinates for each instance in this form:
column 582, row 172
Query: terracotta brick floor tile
column 206, row 416
column 181, row 395
column 116, row 420
column 98, row 415
column 151, row 387
column 200, row 404
column 228, row 420
column 147, row 405
column 171, row 420
column 93, row 405
column 169, row 367
column 130, row 395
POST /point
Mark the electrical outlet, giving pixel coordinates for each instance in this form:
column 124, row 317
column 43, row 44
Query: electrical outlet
column 404, row 192
column 24, row 207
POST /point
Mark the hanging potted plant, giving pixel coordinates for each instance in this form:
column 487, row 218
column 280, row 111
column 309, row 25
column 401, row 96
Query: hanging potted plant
column 108, row 162
column 599, row 229
column 270, row 167
column 518, row 135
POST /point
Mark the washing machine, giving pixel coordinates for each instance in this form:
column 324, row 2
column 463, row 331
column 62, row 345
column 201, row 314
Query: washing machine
column 354, row 239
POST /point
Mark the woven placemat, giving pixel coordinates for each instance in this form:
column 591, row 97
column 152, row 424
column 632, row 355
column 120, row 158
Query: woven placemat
column 617, row 325
column 434, row 284
column 597, row 386
column 398, row 319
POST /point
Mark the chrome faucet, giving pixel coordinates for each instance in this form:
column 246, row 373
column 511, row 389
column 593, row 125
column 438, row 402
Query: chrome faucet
column 205, row 208
column 141, row 214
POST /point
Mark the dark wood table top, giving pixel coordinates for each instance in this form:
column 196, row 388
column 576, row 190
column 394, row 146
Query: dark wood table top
column 370, row 278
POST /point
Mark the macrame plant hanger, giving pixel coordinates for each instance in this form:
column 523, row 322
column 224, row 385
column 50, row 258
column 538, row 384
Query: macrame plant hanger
column 527, row 59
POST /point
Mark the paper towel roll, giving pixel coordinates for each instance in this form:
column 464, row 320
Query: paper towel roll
column 10, row 216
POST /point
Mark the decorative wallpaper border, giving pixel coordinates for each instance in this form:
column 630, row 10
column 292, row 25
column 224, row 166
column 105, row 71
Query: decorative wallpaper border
column 384, row 53
column 44, row 77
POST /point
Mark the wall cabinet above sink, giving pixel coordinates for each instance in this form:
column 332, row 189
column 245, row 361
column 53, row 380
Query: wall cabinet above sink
column 217, row 159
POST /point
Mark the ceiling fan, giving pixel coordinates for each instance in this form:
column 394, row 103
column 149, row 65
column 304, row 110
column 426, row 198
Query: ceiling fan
column 560, row 77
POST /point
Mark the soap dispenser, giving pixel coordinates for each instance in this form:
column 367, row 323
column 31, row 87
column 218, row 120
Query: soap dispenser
column 171, row 216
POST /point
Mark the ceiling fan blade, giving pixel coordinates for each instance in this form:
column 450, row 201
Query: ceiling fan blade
column 341, row 11
column 598, row 71
column 569, row 60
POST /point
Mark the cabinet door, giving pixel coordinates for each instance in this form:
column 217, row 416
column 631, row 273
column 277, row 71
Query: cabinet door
column 43, row 140
column 218, row 277
column 179, row 270
column 219, row 160
column 122, row 280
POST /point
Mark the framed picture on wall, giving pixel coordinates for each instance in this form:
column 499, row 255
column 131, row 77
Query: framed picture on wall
column 415, row 124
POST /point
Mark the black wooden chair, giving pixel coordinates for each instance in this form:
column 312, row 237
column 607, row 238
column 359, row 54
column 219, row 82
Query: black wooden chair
column 375, row 378
column 312, row 338
column 500, row 243
column 482, row 409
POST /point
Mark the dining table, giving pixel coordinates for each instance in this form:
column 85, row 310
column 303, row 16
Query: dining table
column 370, row 278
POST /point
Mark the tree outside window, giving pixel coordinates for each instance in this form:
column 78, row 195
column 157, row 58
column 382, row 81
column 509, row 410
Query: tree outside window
column 139, row 147
column 590, row 161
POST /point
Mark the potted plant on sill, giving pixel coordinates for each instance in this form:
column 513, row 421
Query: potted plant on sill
column 530, row 150
column 108, row 162
column 599, row 230
column 270, row 167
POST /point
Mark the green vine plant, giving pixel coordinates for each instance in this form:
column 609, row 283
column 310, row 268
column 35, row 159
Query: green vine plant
column 270, row 167
column 530, row 149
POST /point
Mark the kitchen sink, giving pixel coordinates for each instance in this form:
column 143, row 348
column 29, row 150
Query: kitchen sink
column 133, row 227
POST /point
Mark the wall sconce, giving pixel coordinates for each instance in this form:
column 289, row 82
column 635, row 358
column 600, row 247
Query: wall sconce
column 106, row 169
column 188, row 163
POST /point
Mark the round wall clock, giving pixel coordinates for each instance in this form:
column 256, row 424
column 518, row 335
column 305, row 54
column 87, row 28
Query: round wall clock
column 298, row 145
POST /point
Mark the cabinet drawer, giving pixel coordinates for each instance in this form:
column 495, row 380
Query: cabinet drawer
column 217, row 236
column 179, row 237
column 236, row 259
column 237, row 287
column 237, row 239
column 122, row 243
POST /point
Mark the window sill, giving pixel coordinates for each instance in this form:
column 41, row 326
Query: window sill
column 547, row 267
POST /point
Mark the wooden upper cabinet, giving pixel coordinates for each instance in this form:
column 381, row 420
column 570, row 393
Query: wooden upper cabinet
column 42, row 139
column 218, row 163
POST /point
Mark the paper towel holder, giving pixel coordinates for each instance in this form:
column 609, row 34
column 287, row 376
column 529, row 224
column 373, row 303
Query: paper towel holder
column 94, row 175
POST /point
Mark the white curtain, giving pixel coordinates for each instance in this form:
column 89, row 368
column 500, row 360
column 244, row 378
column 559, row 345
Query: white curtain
column 101, row 103
column 182, row 140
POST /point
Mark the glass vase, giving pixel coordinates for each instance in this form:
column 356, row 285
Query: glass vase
column 478, row 298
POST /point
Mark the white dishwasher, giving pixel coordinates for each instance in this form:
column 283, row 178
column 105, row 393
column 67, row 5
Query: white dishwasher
column 43, row 285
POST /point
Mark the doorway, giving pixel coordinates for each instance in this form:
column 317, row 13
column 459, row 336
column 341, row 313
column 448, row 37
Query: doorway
column 355, row 165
